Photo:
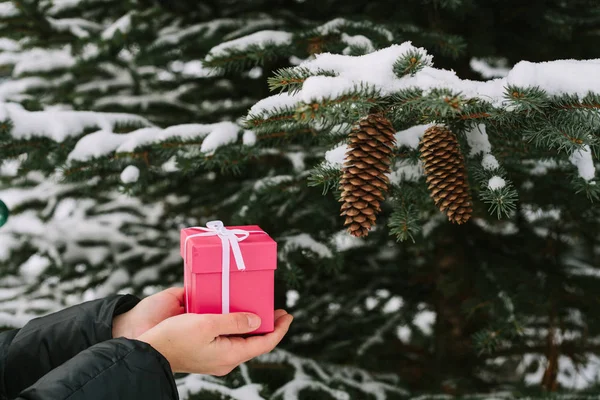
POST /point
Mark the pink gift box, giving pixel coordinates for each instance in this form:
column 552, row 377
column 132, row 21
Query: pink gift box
column 250, row 290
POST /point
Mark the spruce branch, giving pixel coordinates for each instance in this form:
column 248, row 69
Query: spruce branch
column 291, row 79
column 411, row 63
column 404, row 222
column 327, row 176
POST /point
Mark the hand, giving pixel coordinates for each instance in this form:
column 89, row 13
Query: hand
column 148, row 313
column 195, row 343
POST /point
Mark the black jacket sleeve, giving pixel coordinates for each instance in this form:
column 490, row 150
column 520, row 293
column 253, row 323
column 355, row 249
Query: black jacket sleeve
column 47, row 342
column 118, row 369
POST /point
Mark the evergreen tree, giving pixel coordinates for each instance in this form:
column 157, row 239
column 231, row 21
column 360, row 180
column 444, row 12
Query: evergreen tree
column 475, row 202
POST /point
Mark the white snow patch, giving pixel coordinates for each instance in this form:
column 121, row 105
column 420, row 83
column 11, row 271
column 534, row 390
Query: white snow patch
column 411, row 137
column 60, row 125
column 375, row 70
column 249, row 138
column 478, row 140
column 496, row 183
column 255, row 72
column 193, row 68
column 38, row 60
column 489, row 162
column 222, row 134
column 335, row 157
column 305, row 241
column 357, row 41
column 297, row 160
column 582, row 159
column 275, row 102
column 76, row 26
column 260, row 39
column 34, row 266
column 271, row 180
column 342, row 241
column 122, row 25
column 393, row 305
column 8, row 9
column 292, row 297
column 130, row 174
column 7, row 44
column 406, row 170
column 403, row 333
column 489, row 71
column 103, row 142
column 425, row 320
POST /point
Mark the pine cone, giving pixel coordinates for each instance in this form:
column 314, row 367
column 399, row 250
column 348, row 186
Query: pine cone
column 364, row 179
column 446, row 173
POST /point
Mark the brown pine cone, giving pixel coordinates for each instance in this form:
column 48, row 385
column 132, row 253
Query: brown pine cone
column 364, row 180
column 446, row 173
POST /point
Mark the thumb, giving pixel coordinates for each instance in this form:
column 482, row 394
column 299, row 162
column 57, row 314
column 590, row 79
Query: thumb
column 234, row 323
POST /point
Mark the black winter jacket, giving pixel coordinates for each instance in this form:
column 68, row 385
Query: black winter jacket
column 71, row 355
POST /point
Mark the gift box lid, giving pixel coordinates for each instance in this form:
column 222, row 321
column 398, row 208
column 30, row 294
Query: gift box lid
column 204, row 253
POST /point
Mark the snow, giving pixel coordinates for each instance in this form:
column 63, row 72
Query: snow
column 130, row 174
column 60, row 125
column 260, row 39
column 406, row 170
column 357, row 41
column 489, row 71
column 96, row 144
column 496, row 183
column 122, row 25
column 297, row 160
column 104, row 142
column 7, row 44
column 393, row 305
column 221, row 134
column 343, row 242
column 10, row 88
column 272, row 103
column 8, row 9
column 412, row 136
column 489, row 162
column 193, row 68
column 34, row 266
column 335, row 25
column 425, row 320
column 174, row 34
column 375, row 70
column 270, row 181
column 336, row 156
column 533, row 213
column 582, row 159
column 404, row 333
column 38, row 60
column 292, row 297
column 306, row 241
column 77, row 26
column 255, row 72
column 478, row 140
column 249, row 138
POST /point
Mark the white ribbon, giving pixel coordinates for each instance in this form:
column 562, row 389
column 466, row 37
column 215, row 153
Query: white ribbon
column 230, row 239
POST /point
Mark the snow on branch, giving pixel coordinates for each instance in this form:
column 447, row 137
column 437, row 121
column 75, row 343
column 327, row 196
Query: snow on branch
column 104, row 142
column 60, row 125
column 376, row 70
column 309, row 376
column 259, row 39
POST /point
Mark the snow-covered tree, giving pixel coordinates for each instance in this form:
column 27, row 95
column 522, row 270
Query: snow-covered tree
column 123, row 121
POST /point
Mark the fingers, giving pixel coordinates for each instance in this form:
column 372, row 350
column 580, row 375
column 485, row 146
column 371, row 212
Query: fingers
column 279, row 313
column 251, row 347
column 233, row 324
column 178, row 292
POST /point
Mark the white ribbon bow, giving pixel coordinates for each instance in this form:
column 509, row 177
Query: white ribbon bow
column 230, row 238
